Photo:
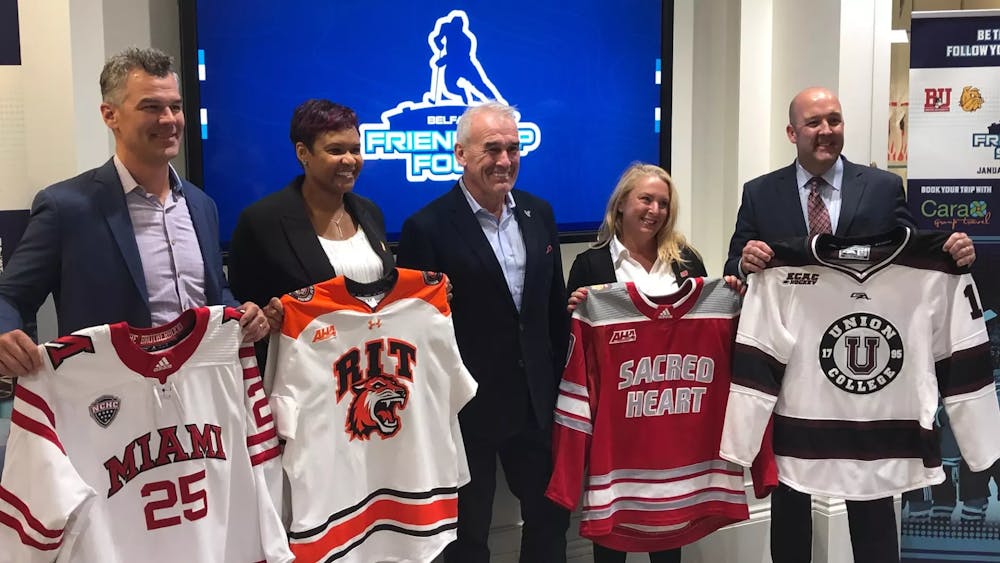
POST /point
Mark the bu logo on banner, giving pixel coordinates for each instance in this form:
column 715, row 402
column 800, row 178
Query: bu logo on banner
column 937, row 99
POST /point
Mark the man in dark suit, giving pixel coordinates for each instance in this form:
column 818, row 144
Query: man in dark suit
column 128, row 241
column 855, row 201
column 500, row 248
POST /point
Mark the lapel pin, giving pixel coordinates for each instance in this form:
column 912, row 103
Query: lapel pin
column 527, row 212
column 548, row 249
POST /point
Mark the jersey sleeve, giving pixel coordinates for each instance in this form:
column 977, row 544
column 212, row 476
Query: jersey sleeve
column 965, row 375
column 574, row 421
column 763, row 346
column 265, row 458
column 40, row 490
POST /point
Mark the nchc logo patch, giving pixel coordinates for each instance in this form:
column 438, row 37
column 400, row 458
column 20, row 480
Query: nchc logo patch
column 861, row 353
column 422, row 133
column 104, row 409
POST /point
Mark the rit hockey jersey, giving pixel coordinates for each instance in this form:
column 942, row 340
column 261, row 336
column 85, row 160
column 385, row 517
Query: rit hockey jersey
column 143, row 445
column 367, row 397
column 850, row 343
column 640, row 412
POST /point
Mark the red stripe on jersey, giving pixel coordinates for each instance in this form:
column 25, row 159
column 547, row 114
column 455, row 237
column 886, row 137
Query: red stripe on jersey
column 575, row 396
column 386, row 509
column 250, row 372
column 573, row 416
column 21, row 392
column 262, row 437
column 265, row 455
column 11, row 499
column 247, row 352
column 35, row 427
column 14, row 524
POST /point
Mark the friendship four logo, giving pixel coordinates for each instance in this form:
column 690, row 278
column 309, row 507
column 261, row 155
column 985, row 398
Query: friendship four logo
column 422, row 133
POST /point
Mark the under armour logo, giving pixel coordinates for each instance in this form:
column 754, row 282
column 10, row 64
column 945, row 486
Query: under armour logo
column 860, row 295
column 374, row 323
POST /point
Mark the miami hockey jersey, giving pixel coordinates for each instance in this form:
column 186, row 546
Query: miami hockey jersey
column 640, row 412
column 367, row 398
column 143, row 445
column 850, row 343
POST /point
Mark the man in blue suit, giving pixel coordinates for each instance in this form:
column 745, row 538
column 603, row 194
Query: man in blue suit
column 128, row 241
column 856, row 201
column 500, row 248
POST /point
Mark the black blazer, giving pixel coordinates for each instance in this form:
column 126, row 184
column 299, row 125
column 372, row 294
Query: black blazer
column 594, row 265
column 872, row 202
column 275, row 250
column 516, row 357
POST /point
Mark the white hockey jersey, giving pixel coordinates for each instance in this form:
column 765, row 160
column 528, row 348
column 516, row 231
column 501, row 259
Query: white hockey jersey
column 368, row 399
column 143, row 445
column 850, row 342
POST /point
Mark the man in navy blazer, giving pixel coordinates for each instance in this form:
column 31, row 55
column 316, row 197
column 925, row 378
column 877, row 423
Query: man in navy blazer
column 108, row 253
column 859, row 201
column 500, row 248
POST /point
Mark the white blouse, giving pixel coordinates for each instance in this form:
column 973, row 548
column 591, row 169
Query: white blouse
column 353, row 257
column 659, row 280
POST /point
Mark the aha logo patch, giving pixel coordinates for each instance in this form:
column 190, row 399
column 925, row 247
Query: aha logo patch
column 104, row 409
column 622, row 336
column 861, row 353
column 324, row 333
column 375, row 407
column 800, row 278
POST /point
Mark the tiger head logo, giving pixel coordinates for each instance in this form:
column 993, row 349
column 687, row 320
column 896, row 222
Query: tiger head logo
column 971, row 99
column 375, row 407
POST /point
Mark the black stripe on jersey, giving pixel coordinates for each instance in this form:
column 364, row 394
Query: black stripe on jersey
column 754, row 369
column 391, row 528
column 851, row 439
column 391, row 492
column 965, row 371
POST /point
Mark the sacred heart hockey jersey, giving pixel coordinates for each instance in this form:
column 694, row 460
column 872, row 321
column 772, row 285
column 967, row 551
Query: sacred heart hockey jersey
column 640, row 411
column 367, row 398
column 850, row 342
column 143, row 445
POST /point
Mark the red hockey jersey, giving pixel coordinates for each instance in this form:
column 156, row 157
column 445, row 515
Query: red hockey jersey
column 640, row 411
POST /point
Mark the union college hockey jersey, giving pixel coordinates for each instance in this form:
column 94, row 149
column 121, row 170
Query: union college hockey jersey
column 122, row 454
column 368, row 399
column 640, row 410
column 850, row 342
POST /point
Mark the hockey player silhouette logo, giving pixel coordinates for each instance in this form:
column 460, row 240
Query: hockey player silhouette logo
column 375, row 407
column 423, row 132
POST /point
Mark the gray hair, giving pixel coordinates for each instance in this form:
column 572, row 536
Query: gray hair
column 116, row 70
column 494, row 107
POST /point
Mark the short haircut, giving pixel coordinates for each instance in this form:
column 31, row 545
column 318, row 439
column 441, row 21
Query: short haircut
column 465, row 121
column 116, row 70
column 314, row 117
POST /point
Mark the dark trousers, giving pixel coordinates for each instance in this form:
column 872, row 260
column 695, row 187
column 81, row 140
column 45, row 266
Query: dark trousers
column 526, row 458
column 607, row 555
column 874, row 538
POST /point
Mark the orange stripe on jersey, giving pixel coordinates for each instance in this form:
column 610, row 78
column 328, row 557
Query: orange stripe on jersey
column 332, row 295
column 386, row 509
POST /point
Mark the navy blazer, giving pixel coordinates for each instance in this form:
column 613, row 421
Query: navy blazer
column 80, row 247
column 872, row 202
column 516, row 357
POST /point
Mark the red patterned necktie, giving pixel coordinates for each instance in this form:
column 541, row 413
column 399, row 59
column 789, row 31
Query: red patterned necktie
column 819, row 217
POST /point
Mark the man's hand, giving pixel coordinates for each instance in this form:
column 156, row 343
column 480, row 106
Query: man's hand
column 575, row 298
column 18, row 354
column 253, row 322
column 756, row 254
column 959, row 245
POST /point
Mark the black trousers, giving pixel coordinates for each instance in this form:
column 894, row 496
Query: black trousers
column 874, row 538
column 607, row 555
column 526, row 459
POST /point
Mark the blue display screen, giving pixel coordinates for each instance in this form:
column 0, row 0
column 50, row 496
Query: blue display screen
column 584, row 76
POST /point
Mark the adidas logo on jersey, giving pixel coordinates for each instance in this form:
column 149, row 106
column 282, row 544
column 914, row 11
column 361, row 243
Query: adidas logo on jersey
column 622, row 336
column 161, row 365
column 324, row 333
column 800, row 278
column 860, row 295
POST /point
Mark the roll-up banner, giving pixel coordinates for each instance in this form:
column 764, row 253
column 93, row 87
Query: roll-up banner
column 953, row 182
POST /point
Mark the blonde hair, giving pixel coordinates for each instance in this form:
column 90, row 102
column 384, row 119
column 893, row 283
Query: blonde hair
column 669, row 241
